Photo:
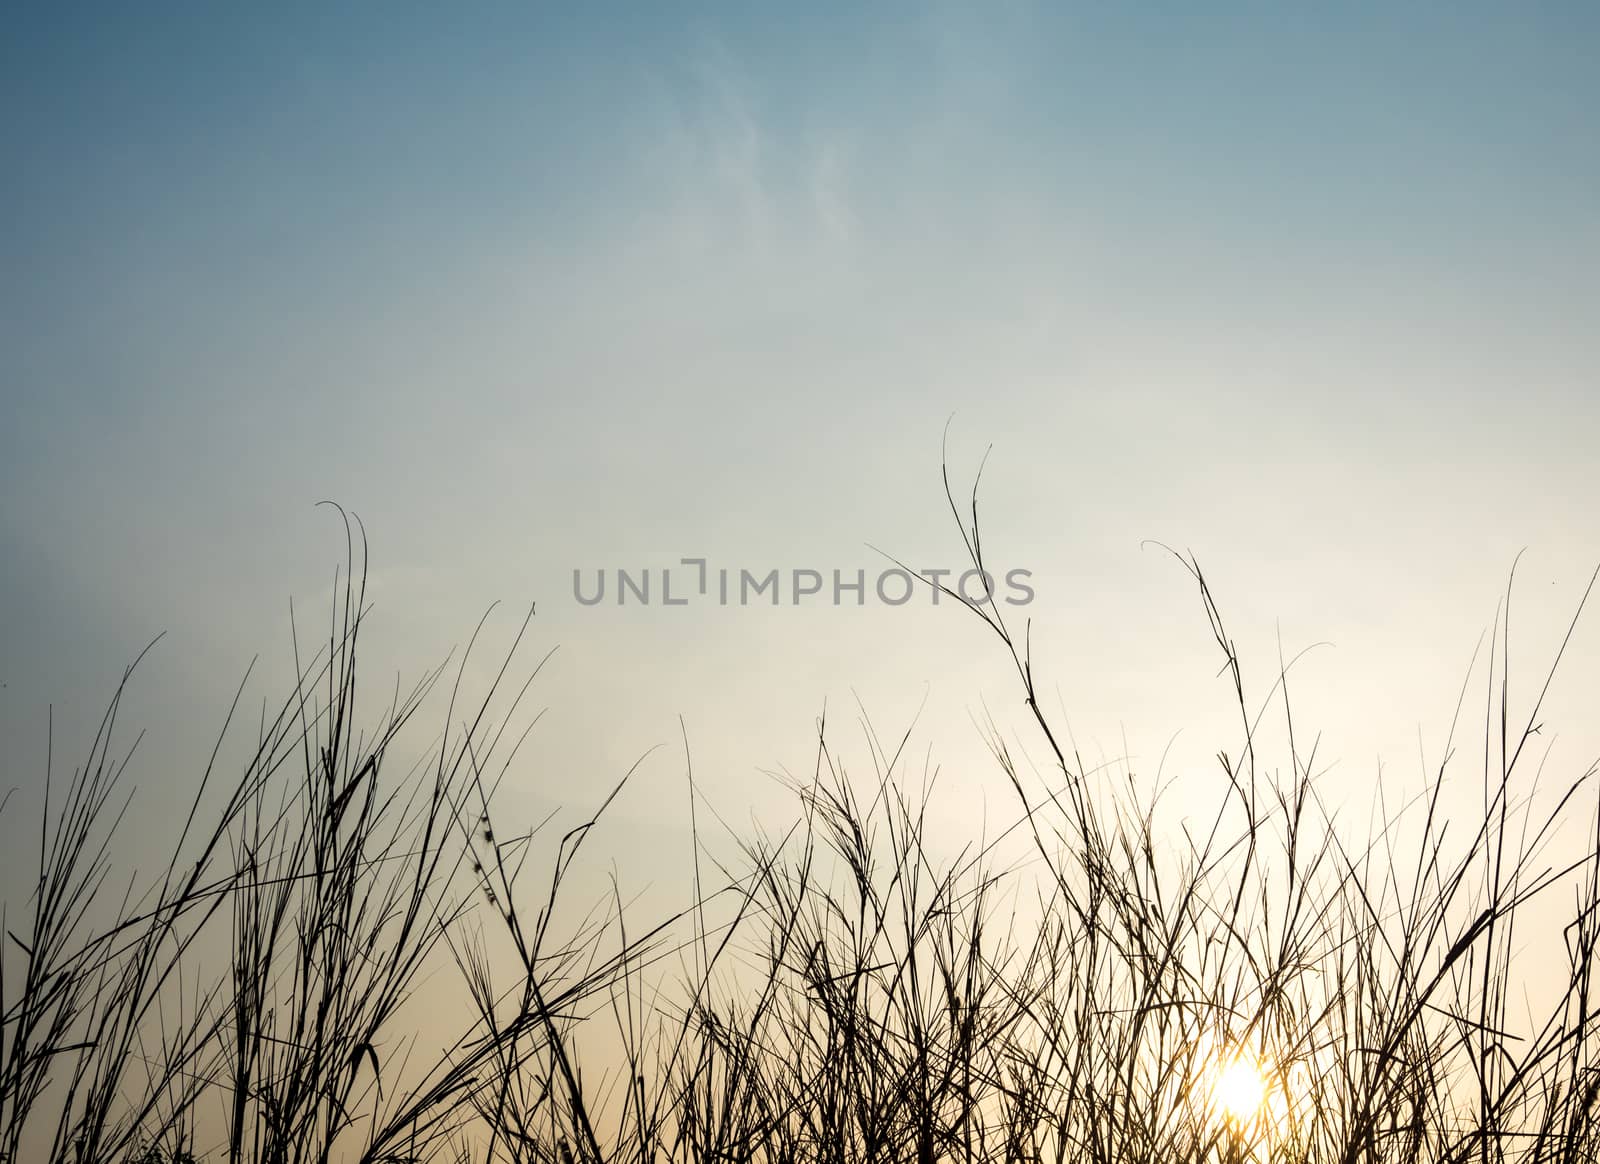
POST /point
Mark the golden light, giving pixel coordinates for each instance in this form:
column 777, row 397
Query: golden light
column 1240, row 1089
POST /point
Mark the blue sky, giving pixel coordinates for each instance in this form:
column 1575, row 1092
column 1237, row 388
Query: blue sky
column 1310, row 291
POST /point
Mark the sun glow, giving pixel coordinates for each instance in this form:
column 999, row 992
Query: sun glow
column 1240, row 1089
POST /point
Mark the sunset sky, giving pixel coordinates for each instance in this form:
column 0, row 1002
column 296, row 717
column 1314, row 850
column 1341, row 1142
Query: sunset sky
column 1309, row 291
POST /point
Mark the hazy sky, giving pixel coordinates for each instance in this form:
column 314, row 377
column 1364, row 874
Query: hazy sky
column 1309, row 290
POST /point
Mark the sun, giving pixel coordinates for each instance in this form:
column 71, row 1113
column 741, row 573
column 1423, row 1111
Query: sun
column 1240, row 1089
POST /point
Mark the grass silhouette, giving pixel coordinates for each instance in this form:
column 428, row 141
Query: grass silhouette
column 1086, row 985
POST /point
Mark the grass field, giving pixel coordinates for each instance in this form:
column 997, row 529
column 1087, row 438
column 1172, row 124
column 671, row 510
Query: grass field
column 1087, row 983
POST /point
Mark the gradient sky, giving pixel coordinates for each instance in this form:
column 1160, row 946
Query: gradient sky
column 1309, row 290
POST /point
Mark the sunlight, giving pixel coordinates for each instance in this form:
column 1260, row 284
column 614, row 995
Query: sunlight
column 1240, row 1089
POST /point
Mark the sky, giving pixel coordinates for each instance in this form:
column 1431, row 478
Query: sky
column 1306, row 290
